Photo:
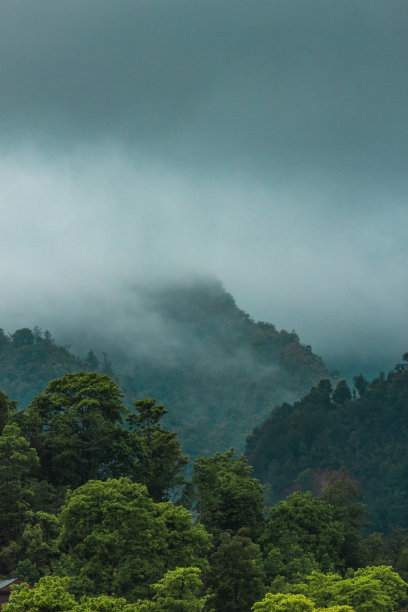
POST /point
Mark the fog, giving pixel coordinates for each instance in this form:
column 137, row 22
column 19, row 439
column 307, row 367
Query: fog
column 262, row 143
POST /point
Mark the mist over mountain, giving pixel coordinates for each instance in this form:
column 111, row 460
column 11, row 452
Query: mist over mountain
column 188, row 345
column 205, row 203
column 263, row 143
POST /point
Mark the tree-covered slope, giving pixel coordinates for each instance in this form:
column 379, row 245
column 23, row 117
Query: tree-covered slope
column 29, row 359
column 216, row 370
column 366, row 432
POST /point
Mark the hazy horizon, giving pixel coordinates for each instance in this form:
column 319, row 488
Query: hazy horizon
column 261, row 143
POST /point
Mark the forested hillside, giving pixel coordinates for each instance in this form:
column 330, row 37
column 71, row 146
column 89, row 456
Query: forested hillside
column 363, row 430
column 99, row 511
column 29, row 359
column 96, row 515
column 217, row 370
column 189, row 346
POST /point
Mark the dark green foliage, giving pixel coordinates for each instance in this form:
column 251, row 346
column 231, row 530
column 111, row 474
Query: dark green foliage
column 18, row 465
column 29, row 359
column 81, row 430
column 22, row 337
column 177, row 591
column 159, row 459
column 360, row 384
column 285, row 602
column 228, row 498
column 236, row 577
column 342, row 393
column 367, row 435
column 118, row 541
column 7, row 409
column 76, row 427
column 53, row 594
column 345, row 497
column 301, row 534
column 217, row 370
column 38, row 546
column 389, row 550
column 369, row 589
column 114, row 537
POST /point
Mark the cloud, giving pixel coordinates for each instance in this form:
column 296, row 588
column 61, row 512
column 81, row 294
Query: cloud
column 262, row 142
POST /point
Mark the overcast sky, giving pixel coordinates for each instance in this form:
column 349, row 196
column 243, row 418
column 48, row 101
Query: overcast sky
column 262, row 141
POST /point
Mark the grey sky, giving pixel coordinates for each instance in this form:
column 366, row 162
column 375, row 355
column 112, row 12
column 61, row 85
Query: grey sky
column 264, row 142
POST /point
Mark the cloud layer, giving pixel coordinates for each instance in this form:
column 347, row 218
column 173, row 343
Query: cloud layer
column 262, row 142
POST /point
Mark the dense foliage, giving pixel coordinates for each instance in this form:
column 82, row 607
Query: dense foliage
column 117, row 541
column 29, row 359
column 302, row 445
column 97, row 512
column 217, row 369
column 221, row 372
column 85, row 516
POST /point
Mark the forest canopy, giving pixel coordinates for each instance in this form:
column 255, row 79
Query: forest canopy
column 97, row 513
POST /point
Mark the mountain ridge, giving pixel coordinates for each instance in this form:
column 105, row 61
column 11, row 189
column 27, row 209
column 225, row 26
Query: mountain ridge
column 217, row 371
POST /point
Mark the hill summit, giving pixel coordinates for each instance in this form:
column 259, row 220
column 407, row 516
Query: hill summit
column 217, row 371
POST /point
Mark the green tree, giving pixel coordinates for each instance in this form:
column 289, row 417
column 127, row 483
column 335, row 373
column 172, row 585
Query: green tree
column 159, row 458
column 18, row 464
column 117, row 541
column 280, row 602
column 76, row 427
column 370, row 589
column 374, row 549
column 361, row 434
column 341, row 393
column 228, row 498
column 236, row 576
column 23, row 337
column 7, row 409
column 38, row 546
column 361, row 384
column 283, row 602
column 52, row 594
column 177, row 591
column 345, row 497
column 301, row 535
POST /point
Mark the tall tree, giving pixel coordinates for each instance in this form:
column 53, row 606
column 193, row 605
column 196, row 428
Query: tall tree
column 52, row 594
column 228, row 498
column 177, row 591
column 76, row 427
column 18, row 464
column 301, row 535
column 345, row 497
column 117, row 541
column 236, row 577
column 341, row 393
column 159, row 458
column 7, row 408
column 369, row 589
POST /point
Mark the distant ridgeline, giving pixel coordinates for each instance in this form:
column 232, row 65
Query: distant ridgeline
column 301, row 445
column 223, row 373
column 218, row 377
column 30, row 359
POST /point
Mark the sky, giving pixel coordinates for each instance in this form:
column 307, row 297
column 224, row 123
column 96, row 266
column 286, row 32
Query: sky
column 262, row 142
